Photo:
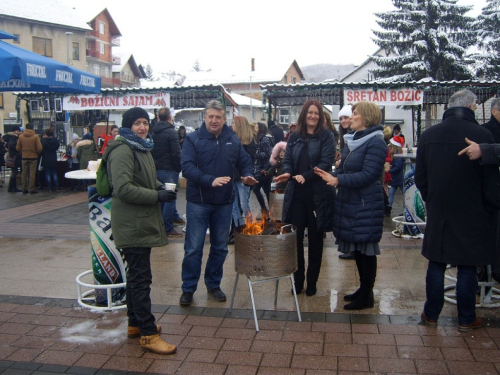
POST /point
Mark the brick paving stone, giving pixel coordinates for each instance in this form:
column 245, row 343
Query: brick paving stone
column 272, row 347
column 335, row 338
column 380, row 339
column 269, row 335
column 467, row 368
column 130, row 349
column 431, row 367
column 31, row 309
column 326, row 372
column 171, row 319
column 392, row 365
column 175, row 329
column 397, row 329
column 441, row 341
column 309, row 348
column 202, row 342
column 98, row 347
column 92, row 360
column 481, row 343
column 482, row 355
column 180, row 355
column 298, row 326
column 4, row 306
column 236, row 323
column 16, row 328
column 419, row 352
column 241, row 370
column 276, row 360
column 190, row 368
column 58, row 357
column 365, row 328
column 431, row 331
column 297, row 336
column 168, row 367
column 6, row 351
column 236, row 333
column 128, row 364
column 457, row 354
column 237, row 345
column 6, row 338
column 24, row 354
column 202, row 355
column 343, row 350
column 44, row 331
column 202, row 331
column 382, row 351
column 413, row 340
column 331, row 327
column 493, row 331
column 314, row 362
column 33, row 342
column 280, row 371
column 273, row 325
column 229, row 357
column 353, row 364
column 5, row 316
column 203, row 321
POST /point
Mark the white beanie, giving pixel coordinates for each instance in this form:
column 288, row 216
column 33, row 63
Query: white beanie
column 345, row 111
column 75, row 136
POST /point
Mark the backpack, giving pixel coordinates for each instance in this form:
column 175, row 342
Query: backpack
column 102, row 184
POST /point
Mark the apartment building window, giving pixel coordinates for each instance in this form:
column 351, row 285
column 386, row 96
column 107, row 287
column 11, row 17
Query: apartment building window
column 76, row 51
column 18, row 38
column 101, row 27
column 101, row 48
column 97, row 69
column 42, row 46
column 294, row 79
column 106, row 72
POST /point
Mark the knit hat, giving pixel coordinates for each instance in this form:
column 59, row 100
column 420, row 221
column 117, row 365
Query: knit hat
column 75, row 136
column 398, row 141
column 133, row 114
column 345, row 111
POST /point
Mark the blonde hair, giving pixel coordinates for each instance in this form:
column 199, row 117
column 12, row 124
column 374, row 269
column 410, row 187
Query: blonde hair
column 244, row 130
column 395, row 150
column 370, row 112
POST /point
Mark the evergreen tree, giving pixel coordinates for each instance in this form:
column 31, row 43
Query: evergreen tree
column 149, row 73
column 487, row 62
column 427, row 39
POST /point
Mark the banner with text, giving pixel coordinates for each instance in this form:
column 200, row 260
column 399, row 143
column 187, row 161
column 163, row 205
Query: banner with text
column 91, row 102
column 385, row 97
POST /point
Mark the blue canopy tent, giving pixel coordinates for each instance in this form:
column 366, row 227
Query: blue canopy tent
column 23, row 70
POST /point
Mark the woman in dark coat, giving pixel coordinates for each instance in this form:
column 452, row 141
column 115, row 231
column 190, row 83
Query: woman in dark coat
column 308, row 202
column 265, row 144
column 10, row 144
column 50, row 145
column 359, row 208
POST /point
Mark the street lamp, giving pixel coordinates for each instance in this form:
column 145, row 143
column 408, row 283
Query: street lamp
column 68, row 33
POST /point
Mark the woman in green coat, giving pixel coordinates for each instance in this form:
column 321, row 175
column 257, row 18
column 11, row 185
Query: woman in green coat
column 136, row 221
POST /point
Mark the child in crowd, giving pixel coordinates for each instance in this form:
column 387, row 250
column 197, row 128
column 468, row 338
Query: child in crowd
column 396, row 170
column 276, row 161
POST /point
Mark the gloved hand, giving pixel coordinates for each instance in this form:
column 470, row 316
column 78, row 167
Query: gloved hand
column 166, row 195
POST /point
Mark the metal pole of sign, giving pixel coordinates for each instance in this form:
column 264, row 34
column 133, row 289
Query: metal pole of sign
column 107, row 123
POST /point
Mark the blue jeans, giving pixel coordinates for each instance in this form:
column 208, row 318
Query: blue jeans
column 241, row 204
column 392, row 193
column 51, row 176
column 169, row 210
column 465, row 291
column 201, row 216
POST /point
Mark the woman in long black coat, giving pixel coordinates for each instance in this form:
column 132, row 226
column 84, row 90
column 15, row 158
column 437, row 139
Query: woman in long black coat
column 308, row 202
column 359, row 208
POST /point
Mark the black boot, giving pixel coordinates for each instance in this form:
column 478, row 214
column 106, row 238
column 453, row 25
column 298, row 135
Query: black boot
column 365, row 299
column 387, row 211
column 355, row 295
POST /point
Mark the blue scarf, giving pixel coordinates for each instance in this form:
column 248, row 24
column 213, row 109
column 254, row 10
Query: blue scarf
column 142, row 145
column 353, row 144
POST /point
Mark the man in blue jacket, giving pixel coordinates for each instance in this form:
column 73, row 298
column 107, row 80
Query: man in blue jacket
column 209, row 156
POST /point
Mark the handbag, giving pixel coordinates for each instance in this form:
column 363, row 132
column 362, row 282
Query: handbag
column 10, row 162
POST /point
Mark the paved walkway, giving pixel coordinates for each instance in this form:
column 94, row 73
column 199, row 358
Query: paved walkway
column 44, row 245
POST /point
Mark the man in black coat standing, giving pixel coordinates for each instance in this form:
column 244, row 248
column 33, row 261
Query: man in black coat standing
column 461, row 199
column 167, row 156
column 276, row 132
column 494, row 124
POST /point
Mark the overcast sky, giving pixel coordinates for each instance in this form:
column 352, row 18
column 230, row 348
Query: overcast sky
column 224, row 34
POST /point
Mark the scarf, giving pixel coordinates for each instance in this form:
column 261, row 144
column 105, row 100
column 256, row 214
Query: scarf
column 142, row 145
column 353, row 144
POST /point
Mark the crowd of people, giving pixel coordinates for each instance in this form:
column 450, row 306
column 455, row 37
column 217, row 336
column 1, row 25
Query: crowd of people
column 332, row 180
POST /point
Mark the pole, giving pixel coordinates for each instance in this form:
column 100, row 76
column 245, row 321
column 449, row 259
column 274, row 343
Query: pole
column 68, row 60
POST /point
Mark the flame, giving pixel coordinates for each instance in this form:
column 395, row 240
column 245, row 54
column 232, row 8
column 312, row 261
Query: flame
column 254, row 228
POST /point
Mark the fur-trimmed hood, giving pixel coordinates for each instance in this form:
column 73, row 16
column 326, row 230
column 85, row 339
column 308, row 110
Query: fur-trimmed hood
column 276, row 151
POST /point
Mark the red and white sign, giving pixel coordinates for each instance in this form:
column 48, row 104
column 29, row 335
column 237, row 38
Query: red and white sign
column 385, row 97
column 91, row 102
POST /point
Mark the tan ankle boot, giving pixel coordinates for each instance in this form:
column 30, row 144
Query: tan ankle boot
column 155, row 344
column 133, row 332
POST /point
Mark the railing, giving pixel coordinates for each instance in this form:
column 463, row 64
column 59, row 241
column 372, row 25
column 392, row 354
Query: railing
column 94, row 54
column 115, row 42
column 111, row 81
column 116, row 60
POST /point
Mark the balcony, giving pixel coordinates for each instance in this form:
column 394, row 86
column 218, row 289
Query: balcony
column 116, row 60
column 115, row 42
column 92, row 35
column 93, row 54
column 110, row 81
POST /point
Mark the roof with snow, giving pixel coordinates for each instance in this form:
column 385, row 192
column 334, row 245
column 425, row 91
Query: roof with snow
column 52, row 12
column 245, row 101
column 127, row 58
column 89, row 13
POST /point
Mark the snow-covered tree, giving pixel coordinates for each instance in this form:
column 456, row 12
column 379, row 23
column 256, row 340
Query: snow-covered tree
column 149, row 73
column 487, row 61
column 428, row 38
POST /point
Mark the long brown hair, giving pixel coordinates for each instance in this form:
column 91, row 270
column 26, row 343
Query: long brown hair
column 244, row 130
column 301, row 122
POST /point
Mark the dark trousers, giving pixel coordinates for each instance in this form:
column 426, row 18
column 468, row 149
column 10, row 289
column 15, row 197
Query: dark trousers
column 264, row 182
column 139, row 279
column 13, row 179
column 302, row 216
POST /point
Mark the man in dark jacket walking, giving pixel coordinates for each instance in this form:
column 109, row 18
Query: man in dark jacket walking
column 209, row 156
column 276, row 132
column 50, row 145
column 167, row 156
column 461, row 200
